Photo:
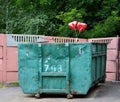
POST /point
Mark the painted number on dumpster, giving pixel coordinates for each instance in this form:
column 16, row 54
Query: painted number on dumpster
column 81, row 51
column 53, row 68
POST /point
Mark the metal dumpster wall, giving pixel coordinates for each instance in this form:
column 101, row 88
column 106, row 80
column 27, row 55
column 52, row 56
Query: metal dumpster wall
column 80, row 67
column 112, row 56
column 28, row 67
column 99, row 62
column 67, row 64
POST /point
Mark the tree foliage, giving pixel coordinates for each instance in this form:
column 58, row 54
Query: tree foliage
column 51, row 17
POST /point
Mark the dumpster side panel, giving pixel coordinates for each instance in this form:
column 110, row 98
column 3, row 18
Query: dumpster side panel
column 80, row 68
column 98, row 62
column 103, row 62
column 28, row 67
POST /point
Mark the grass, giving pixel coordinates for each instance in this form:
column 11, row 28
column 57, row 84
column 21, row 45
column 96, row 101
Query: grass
column 1, row 85
column 9, row 84
column 12, row 84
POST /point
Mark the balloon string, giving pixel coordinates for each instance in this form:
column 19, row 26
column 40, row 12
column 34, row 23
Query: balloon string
column 76, row 35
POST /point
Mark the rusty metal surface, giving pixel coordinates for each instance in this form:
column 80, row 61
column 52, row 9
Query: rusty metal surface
column 74, row 92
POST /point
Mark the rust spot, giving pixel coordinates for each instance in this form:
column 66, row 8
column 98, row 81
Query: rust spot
column 68, row 86
column 74, row 92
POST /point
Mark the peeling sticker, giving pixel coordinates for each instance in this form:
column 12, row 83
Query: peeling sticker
column 46, row 61
column 39, row 45
column 27, row 54
column 48, row 58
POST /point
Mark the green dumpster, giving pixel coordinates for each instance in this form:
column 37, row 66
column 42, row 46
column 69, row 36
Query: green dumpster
column 68, row 68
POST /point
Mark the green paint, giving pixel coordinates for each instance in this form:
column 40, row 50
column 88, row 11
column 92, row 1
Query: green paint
column 61, row 68
column 28, row 68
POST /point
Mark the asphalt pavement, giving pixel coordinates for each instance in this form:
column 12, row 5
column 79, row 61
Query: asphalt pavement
column 109, row 91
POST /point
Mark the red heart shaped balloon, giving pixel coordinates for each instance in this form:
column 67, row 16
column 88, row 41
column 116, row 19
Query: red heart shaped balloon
column 81, row 26
column 73, row 25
